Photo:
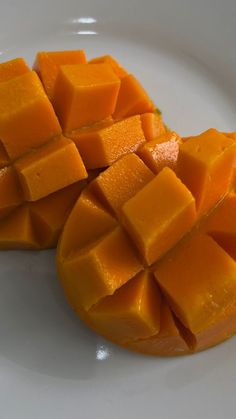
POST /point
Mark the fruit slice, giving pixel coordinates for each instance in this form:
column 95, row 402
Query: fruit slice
column 50, row 214
column 11, row 194
column 152, row 125
column 132, row 99
column 13, row 68
column 100, row 273
column 87, row 222
column 161, row 152
column 121, row 181
column 159, row 215
column 47, row 65
column 132, row 312
column 199, row 279
column 50, row 168
column 17, row 232
column 25, row 113
column 85, row 94
column 206, row 166
column 116, row 67
column 102, row 147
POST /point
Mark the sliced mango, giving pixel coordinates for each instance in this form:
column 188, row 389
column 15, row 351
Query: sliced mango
column 132, row 312
column 121, row 181
column 199, row 279
column 102, row 147
column 100, row 274
column 50, row 168
column 26, row 114
column 161, row 152
column 116, row 67
column 132, row 99
column 152, row 125
column 11, row 194
column 206, row 166
column 13, row 68
column 47, row 65
column 50, row 214
column 159, row 215
column 85, row 94
column 17, row 231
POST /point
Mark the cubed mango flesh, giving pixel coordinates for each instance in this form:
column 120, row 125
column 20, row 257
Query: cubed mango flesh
column 85, row 94
column 100, row 273
column 152, row 125
column 50, row 168
column 121, row 181
column 195, row 271
column 132, row 99
column 11, row 195
column 47, row 65
column 13, row 68
column 161, row 152
column 206, row 166
column 116, row 67
column 159, row 215
column 199, row 279
column 132, row 312
column 27, row 118
column 102, row 147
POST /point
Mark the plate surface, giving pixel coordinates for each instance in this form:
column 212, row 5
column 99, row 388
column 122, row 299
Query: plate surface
column 51, row 365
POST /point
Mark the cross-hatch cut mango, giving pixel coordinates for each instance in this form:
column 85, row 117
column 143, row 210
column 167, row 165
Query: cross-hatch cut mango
column 147, row 256
column 58, row 127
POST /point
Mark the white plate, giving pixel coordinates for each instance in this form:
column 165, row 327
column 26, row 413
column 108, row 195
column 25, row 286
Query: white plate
column 51, row 365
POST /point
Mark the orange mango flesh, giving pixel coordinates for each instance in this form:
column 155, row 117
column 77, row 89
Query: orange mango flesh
column 58, row 161
column 13, row 68
column 121, row 181
column 101, row 274
column 222, row 225
column 47, row 65
column 85, row 94
column 132, row 312
column 152, row 125
column 195, row 272
column 25, row 111
column 202, row 161
column 110, row 142
column 10, row 191
column 174, row 208
column 37, row 163
column 116, row 67
column 132, row 99
column 161, row 151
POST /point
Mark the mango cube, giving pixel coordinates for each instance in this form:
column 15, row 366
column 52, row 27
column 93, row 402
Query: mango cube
column 206, row 166
column 13, row 68
column 116, row 67
column 161, row 152
column 152, row 125
column 47, row 65
column 17, row 231
column 11, row 194
column 92, row 221
column 58, row 161
column 132, row 99
column 110, row 143
column 132, row 312
column 122, row 181
column 100, row 273
column 159, row 215
column 85, row 94
column 199, row 278
column 27, row 118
